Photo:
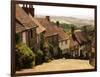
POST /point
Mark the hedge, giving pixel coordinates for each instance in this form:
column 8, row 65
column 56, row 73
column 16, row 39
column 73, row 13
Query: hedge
column 25, row 58
column 39, row 57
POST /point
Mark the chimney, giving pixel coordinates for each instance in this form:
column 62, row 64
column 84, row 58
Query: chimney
column 57, row 23
column 48, row 18
column 31, row 10
column 73, row 34
column 25, row 7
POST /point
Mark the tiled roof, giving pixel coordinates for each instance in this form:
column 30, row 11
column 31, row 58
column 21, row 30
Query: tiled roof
column 40, row 28
column 22, row 17
column 19, row 27
column 60, row 31
column 79, row 38
column 52, row 29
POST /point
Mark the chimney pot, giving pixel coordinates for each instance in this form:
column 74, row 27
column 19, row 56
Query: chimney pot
column 23, row 5
column 48, row 18
column 31, row 10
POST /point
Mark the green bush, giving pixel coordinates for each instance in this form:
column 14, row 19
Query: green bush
column 25, row 58
column 47, row 52
column 39, row 57
column 55, row 51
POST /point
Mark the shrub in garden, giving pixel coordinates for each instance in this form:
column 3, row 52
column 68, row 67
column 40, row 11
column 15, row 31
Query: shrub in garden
column 55, row 51
column 59, row 53
column 47, row 55
column 39, row 57
column 46, row 51
column 25, row 58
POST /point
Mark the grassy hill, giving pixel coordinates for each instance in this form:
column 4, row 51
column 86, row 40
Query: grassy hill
column 71, row 20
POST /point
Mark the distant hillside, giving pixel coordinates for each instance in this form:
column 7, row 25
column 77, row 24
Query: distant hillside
column 71, row 20
column 67, row 22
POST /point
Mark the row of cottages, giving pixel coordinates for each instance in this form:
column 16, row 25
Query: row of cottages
column 80, row 45
column 29, row 31
column 40, row 30
column 36, row 32
column 53, row 34
column 63, row 38
column 28, row 35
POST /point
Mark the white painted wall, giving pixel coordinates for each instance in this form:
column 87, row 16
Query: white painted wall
column 63, row 45
column 24, row 37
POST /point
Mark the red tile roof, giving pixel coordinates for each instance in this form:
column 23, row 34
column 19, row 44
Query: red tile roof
column 52, row 29
column 62, row 35
column 23, row 18
column 79, row 38
column 40, row 27
column 19, row 27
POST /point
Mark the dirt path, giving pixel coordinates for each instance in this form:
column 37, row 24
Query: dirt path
column 60, row 64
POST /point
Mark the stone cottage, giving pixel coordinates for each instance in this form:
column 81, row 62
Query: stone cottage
column 26, row 28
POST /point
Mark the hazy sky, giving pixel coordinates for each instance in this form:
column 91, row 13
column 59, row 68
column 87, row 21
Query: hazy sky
column 64, row 11
column 86, row 13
